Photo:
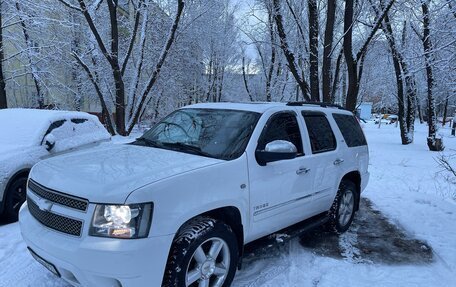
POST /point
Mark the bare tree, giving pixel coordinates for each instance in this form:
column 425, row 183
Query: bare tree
column 245, row 79
column 289, row 55
column 355, row 63
column 30, row 48
column 434, row 143
column 3, row 100
column 313, row 49
column 406, row 108
column 110, row 50
column 327, row 50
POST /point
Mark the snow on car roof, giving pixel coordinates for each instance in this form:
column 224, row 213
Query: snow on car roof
column 25, row 127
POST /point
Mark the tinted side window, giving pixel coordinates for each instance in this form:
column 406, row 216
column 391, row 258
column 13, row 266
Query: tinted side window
column 350, row 129
column 320, row 133
column 283, row 126
column 78, row 121
column 54, row 125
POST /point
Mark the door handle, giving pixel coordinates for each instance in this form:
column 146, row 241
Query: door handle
column 338, row 161
column 302, row 170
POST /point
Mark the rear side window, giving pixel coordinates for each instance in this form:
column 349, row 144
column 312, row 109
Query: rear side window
column 78, row 121
column 321, row 135
column 350, row 129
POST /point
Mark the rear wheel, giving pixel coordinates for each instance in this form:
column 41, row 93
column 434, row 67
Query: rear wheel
column 204, row 254
column 15, row 197
column 343, row 209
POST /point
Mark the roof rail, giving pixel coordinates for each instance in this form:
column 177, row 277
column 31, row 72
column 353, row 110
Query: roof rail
column 320, row 104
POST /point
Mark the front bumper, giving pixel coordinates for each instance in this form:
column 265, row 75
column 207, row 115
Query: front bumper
column 97, row 261
column 364, row 180
column 2, row 194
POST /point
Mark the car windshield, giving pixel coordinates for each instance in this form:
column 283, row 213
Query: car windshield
column 215, row 133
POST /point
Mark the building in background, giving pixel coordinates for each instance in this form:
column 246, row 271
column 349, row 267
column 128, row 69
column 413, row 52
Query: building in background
column 364, row 110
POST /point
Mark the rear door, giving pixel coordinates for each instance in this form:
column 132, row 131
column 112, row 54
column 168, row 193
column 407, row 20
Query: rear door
column 325, row 158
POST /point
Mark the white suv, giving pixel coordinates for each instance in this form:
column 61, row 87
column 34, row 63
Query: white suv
column 175, row 207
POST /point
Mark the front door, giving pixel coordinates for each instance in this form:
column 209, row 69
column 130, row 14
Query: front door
column 279, row 191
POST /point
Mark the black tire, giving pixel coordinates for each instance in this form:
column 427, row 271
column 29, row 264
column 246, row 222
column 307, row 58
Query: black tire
column 341, row 217
column 202, row 233
column 15, row 197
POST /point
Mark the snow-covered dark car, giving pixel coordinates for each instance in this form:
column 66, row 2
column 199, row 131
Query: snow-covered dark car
column 28, row 136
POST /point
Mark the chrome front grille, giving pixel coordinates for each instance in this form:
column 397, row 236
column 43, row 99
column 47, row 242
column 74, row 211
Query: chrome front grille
column 58, row 197
column 55, row 221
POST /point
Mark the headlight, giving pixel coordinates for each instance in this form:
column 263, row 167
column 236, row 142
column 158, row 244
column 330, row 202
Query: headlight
column 122, row 221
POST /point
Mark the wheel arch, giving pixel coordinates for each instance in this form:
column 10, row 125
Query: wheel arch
column 21, row 173
column 355, row 177
column 231, row 216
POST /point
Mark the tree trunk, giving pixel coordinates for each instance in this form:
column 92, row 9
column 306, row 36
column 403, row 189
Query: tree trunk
column 420, row 113
column 75, row 71
column 244, row 77
column 434, row 143
column 335, row 84
column 445, row 111
column 302, row 84
column 313, row 45
column 399, row 66
column 399, row 83
column 116, row 71
column 3, row 101
column 352, row 93
column 159, row 65
column 355, row 64
column 30, row 48
column 273, row 57
column 328, row 42
column 410, row 90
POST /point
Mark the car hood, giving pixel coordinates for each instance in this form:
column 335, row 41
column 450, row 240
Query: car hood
column 109, row 175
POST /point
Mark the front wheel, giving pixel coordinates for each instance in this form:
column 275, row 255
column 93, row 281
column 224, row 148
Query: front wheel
column 343, row 209
column 204, row 254
column 15, row 197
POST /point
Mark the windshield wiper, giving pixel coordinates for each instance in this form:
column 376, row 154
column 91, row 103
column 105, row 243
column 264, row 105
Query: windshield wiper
column 148, row 142
column 186, row 147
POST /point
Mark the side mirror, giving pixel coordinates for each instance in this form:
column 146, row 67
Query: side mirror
column 275, row 151
column 49, row 142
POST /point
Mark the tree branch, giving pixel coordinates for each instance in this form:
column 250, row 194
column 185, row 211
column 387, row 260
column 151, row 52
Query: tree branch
column 286, row 50
column 155, row 74
column 133, row 38
column 94, row 30
column 68, row 5
column 86, row 68
column 374, row 30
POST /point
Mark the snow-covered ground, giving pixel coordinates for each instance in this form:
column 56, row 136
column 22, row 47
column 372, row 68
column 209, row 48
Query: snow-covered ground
column 407, row 185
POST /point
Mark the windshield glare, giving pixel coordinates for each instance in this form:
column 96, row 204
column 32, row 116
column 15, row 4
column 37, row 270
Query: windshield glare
column 217, row 133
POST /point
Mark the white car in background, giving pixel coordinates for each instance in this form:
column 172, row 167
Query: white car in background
column 28, row 136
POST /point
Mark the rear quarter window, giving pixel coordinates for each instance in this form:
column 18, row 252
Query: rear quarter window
column 350, row 129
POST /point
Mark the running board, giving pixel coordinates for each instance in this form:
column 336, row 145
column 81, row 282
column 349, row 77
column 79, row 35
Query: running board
column 283, row 236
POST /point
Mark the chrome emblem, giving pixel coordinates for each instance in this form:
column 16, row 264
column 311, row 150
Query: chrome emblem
column 45, row 205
